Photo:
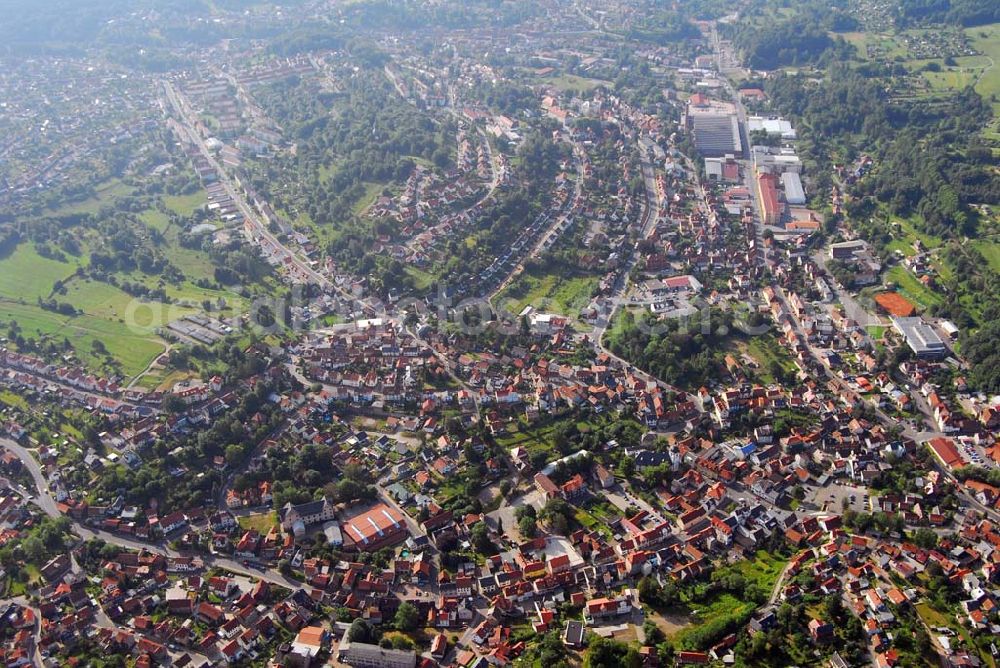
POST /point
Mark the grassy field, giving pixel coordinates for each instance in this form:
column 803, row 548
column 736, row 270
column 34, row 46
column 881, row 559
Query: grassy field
column 571, row 82
column 24, row 274
column 952, row 78
column 932, row 617
column 766, row 350
column 155, row 219
column 15, row 400
column 548, row 292
column 911, row 234
column 762, row 571
column 132, row 349
column 421, row 279
column 125, row 326
column 986, row 40
column 876, row 331
column 160, row 378
column 185, row 205
column 912, row 288
column 372, row 192
column 106, row 301
column 105, row 193
column 261, row 522
column 533, row 439
column 991, row 251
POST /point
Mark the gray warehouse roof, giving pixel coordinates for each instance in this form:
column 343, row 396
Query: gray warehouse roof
column 920, row 336
column 794, row 194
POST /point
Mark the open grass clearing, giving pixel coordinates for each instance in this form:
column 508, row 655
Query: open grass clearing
column 911, row 287
column 421, row 279
column 565, row 295
column 692, row 618
column 105, row 193
column 106, row 301
column 184, row 205
column 372, row 193
column 767, row 352
column 133, row 351
column 533, row 439
column 989, row 250
column 986, row 40
column 911, row 234
column 571, row 82
column 155, row 219
column 259, row 522
column 24, row 274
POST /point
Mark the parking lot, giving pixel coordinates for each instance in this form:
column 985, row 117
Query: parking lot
column 974, row 454
column 830, row 498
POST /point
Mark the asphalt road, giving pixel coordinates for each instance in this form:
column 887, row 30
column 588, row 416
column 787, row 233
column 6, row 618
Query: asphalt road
column 43, row 499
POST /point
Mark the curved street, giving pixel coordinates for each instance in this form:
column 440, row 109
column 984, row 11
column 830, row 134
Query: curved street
column 44, row 500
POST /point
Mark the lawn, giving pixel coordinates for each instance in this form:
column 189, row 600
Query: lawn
column 726, row 609
column 933, row 617
column 766, row 351
column 260, row 522
column 565, row 295
column 590, row 522
column 533, row 439
column 571, row 82
column 876, row 331
column 912, row 288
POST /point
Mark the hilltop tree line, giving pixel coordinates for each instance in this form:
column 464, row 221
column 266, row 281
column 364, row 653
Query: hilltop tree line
column 959, row 12
column 802, row 39
column 929, row 158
